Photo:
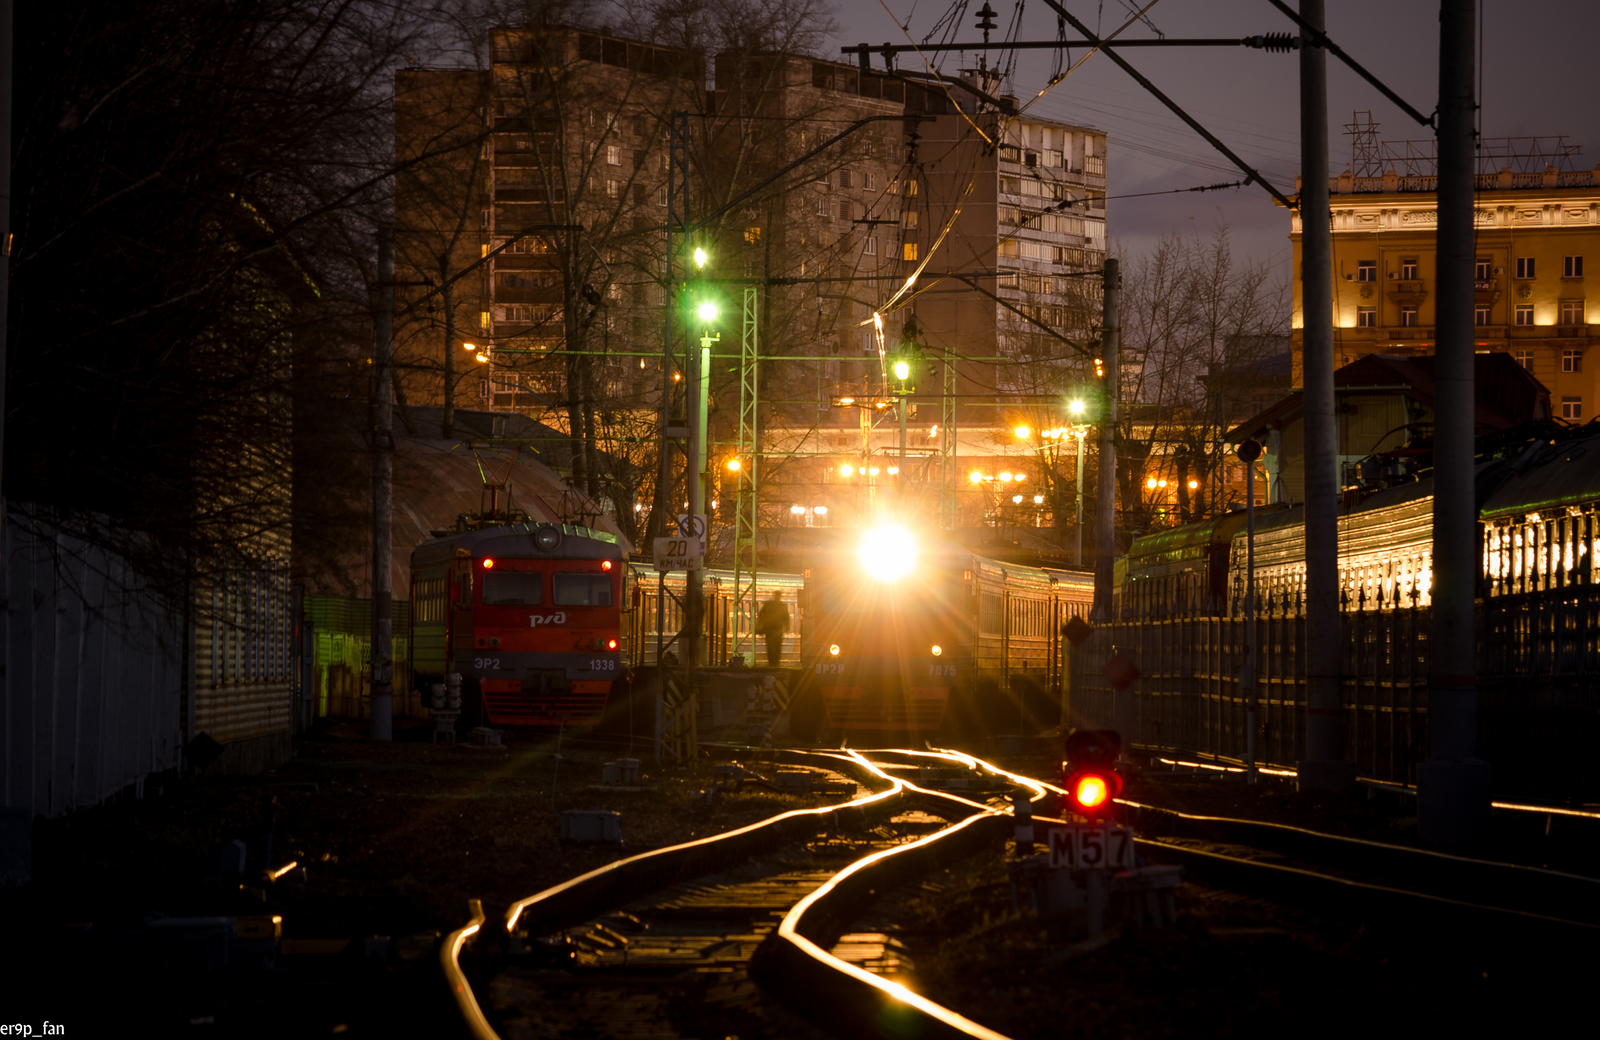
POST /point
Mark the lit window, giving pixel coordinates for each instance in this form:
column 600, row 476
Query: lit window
column 1572, row 312
column 752, row 235
column 911, row 188
column 1525, row 267
column 1524, row 314
column 1572, row 408
column 910, row 252
column 1572, row 361
column 614, row 155
column 1572, row 267
column 1366, row 317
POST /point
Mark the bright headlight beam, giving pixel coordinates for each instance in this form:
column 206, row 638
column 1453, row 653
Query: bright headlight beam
column 888, row 553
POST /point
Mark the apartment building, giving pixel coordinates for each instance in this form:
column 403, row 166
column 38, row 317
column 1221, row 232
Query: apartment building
column 1535, row 229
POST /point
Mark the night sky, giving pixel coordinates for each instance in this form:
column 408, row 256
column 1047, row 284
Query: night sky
column 1538, row 79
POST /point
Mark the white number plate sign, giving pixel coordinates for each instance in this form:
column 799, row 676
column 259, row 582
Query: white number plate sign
column 1091, row 847
column 677, row 554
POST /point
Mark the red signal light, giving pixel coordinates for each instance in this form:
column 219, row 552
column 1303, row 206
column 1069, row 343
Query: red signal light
column 1090, row 792
column 611, row 644
column 488, row 563
column 605, row 565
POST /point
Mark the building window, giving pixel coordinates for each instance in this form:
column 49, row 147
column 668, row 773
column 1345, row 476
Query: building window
column 613, row 155
column 638, row 126
column 1366, row 270
column 1572, row 312
column 1408, row 270
column 1366, row 317
column 1485, row 269
column 1572, row 267
column 844, row 178
column 1572, row 361
column 1408, row 317
column 1525, row 359
column 613, row 187
column 872, row 247
column 639, row 194
column 822, row 180
column 911, row 188
column 752, row 235
column 1052, row 157
column 909, row 218
column 822, row 206
column 910, row 252
column 1480, row 316
column 1572, row 408
column 1525, row 267
column 1524, row 314
column 869, row 181
column 638, row 159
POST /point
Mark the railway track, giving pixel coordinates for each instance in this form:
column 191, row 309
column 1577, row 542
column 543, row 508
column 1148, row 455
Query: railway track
column 782, row 929
column 723, row 935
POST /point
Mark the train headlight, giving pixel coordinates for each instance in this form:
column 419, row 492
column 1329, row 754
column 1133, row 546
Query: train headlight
column 888, row 553
column 605, row 565
column 834, row 649
column 937, row 649
column 488, row 563
column 611, row 644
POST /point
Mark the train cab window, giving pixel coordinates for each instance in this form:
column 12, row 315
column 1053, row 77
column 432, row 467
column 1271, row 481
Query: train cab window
column 583, row 590
column 513, row 588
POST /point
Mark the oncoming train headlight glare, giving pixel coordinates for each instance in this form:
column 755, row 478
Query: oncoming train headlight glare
column 605, row 565
column 611, row 644
column 937, row 649
column 888, row 553
column 834, row 649
column 488, row 563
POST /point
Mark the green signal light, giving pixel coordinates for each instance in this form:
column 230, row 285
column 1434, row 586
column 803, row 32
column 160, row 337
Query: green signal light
column 700, row 259
column 902, row 371
column 708, row 311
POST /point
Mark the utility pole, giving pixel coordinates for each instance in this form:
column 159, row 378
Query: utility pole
column 1249, row 452
column 1325, row 768
column 383, row 496
column 1105, row 506
column 1453, row 785
column 1077, row 523
column 7, row 43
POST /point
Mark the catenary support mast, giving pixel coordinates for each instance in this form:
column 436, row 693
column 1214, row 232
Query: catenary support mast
column 1453, row 786
column 1325, row 767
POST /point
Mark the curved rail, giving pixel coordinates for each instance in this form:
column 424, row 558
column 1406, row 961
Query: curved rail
column 460, row 990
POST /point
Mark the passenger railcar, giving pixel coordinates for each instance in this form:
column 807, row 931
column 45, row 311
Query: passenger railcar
column 909, row 634
column 727, row 626
column 1539, row 531
column 529, row 614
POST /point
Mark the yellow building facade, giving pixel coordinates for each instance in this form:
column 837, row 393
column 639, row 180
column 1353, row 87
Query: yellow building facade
column 1536, row 232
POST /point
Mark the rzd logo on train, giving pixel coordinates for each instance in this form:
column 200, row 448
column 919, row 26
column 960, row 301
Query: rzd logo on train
column 535, row 620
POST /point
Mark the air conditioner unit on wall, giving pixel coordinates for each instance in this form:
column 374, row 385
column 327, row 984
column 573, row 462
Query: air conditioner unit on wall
column 1393, row 276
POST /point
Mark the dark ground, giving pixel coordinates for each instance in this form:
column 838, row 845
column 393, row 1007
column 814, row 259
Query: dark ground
column 395, row 838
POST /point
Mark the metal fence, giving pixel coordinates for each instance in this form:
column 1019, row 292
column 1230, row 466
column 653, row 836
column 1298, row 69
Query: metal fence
column 91, row 673
column 1538, row 688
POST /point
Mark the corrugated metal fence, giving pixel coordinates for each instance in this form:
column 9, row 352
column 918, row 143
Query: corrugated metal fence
column 92, row 680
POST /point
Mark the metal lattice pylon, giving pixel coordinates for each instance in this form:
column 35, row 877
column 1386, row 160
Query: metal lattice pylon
column 745, row 569
column 950, row 462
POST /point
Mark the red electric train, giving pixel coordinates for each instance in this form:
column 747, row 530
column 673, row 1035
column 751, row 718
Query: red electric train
column 531, row 616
